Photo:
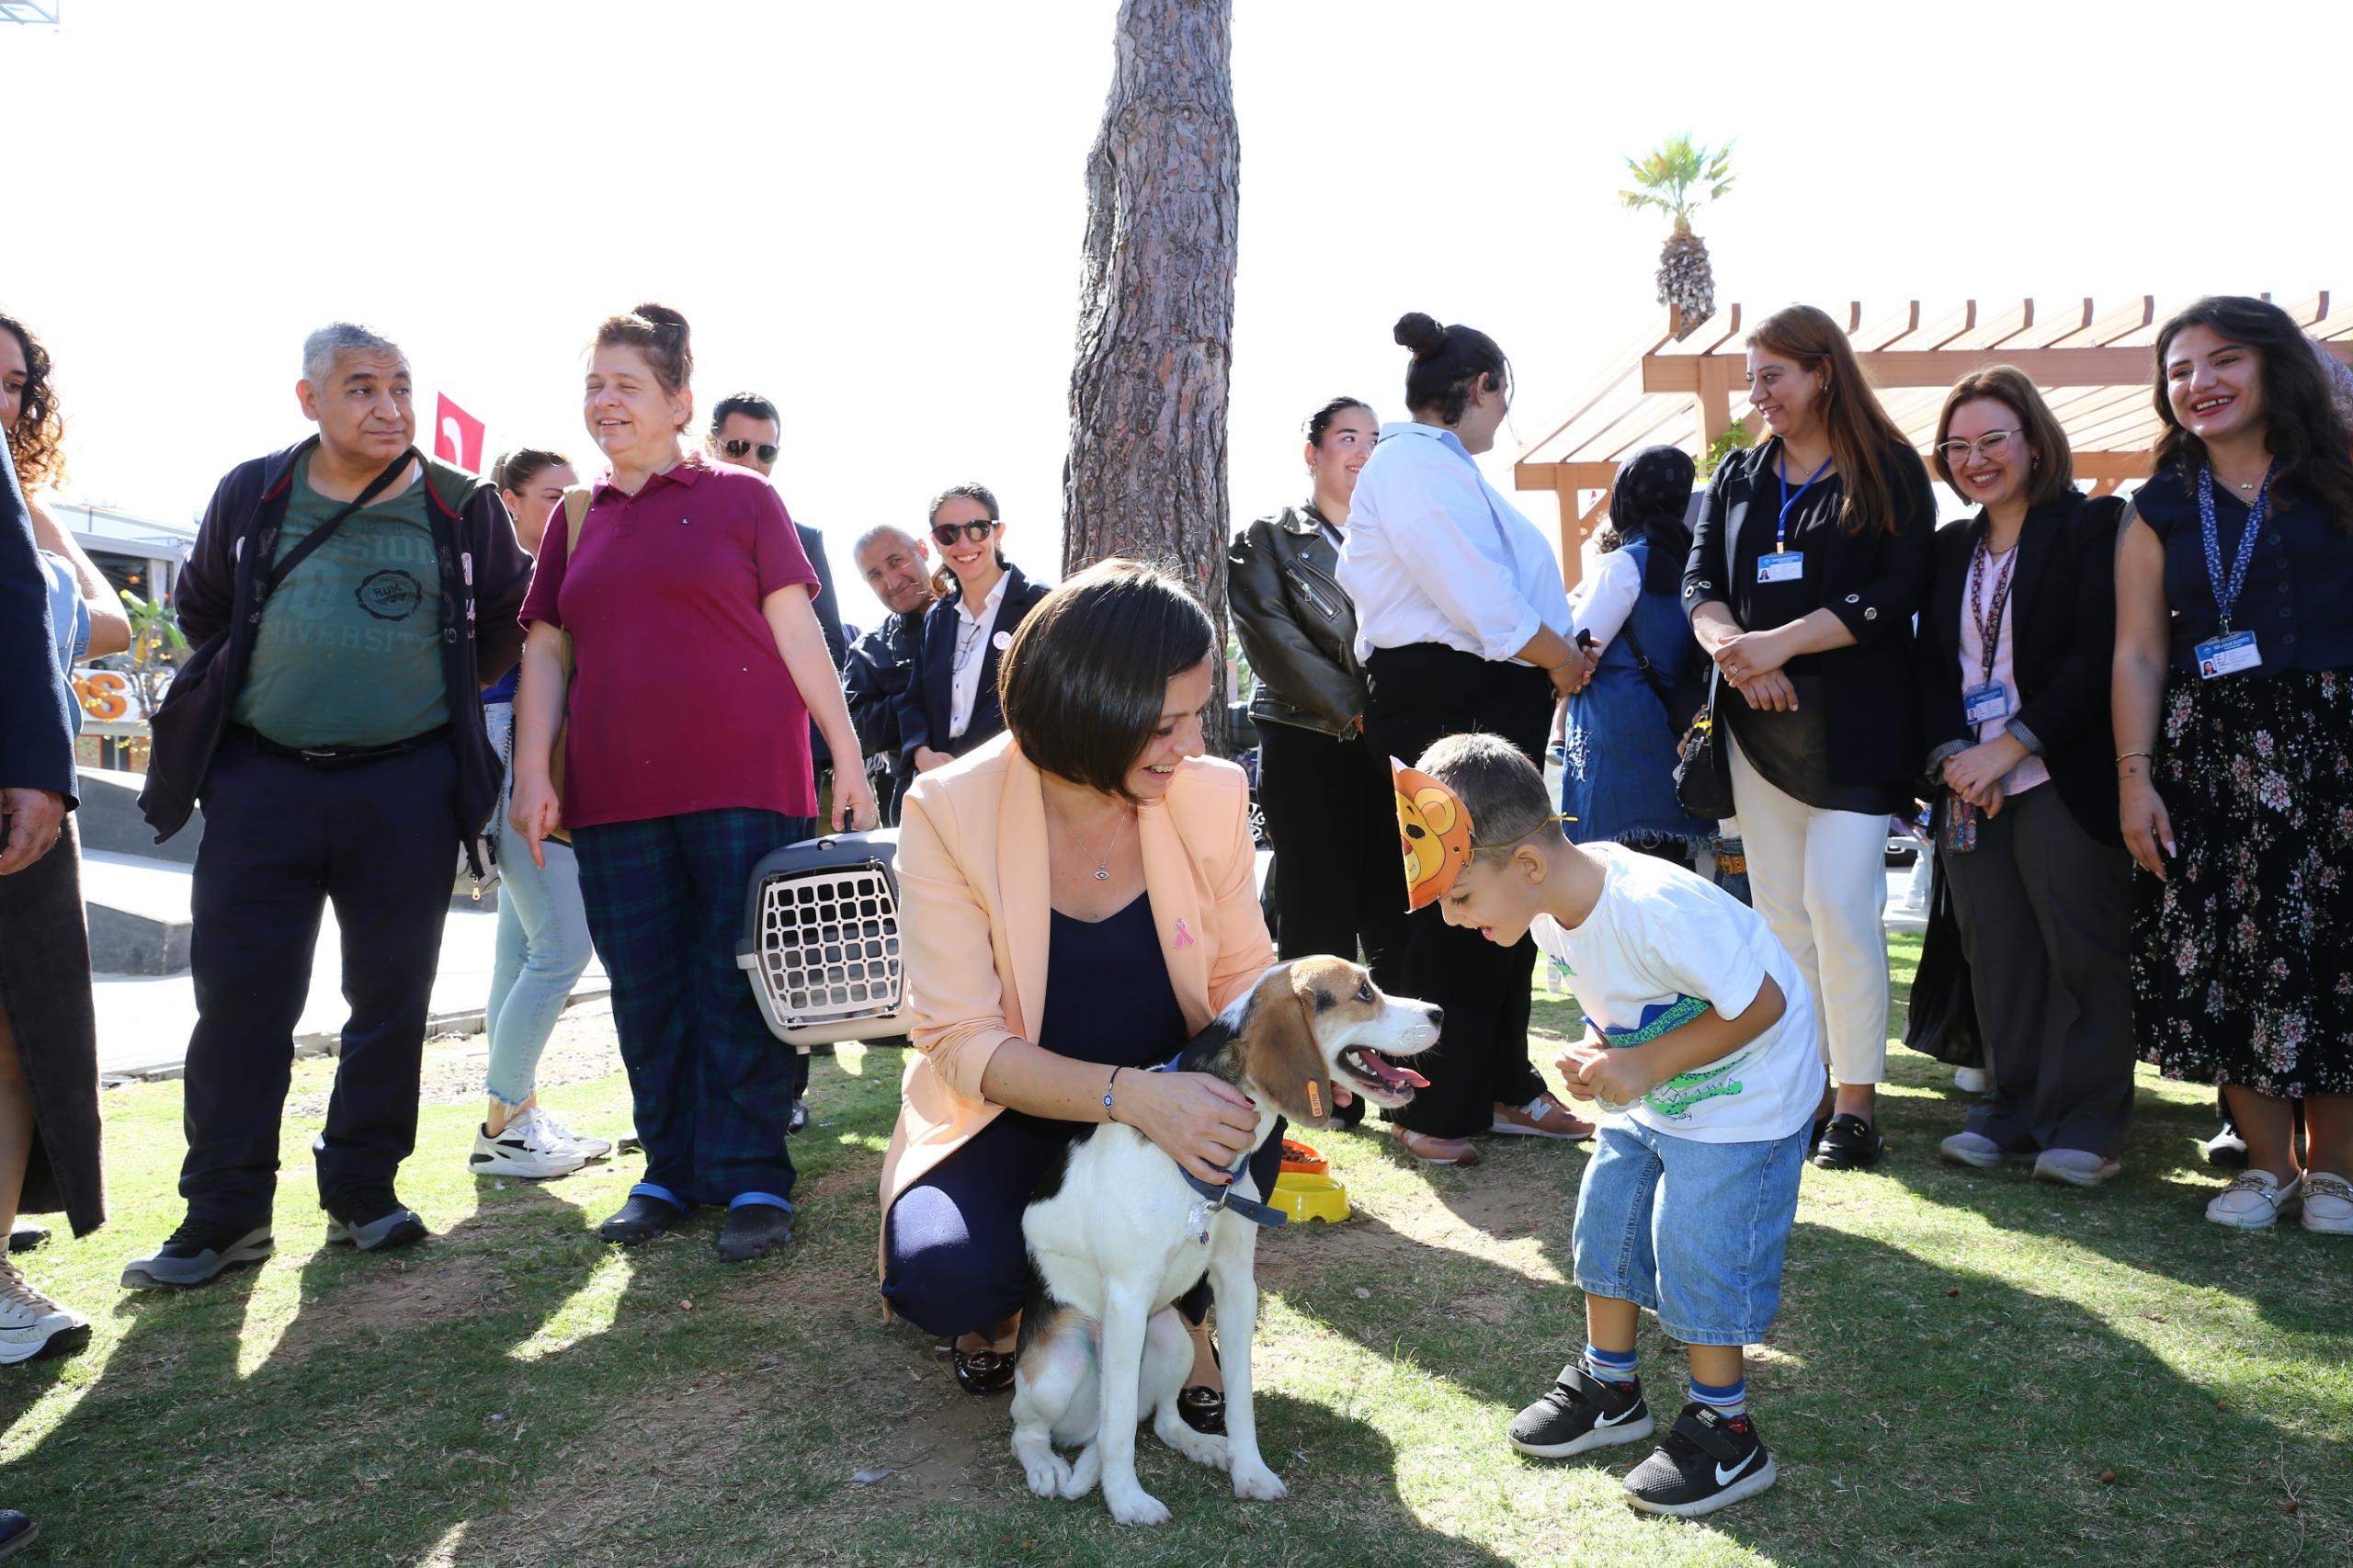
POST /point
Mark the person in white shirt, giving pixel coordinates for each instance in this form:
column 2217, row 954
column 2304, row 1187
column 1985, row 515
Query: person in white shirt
column 951, row 705
column 1700, row 1050
column 1461, row 624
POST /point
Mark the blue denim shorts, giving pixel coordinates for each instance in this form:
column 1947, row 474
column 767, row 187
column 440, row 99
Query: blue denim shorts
column 1695, row 1232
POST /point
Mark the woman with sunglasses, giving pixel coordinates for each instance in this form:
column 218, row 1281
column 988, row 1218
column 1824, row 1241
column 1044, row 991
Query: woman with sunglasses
column 951, row 704
column 2016, row 637
column 1810, row 557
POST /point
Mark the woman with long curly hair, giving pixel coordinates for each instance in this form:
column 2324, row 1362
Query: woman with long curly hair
column 2232, row 694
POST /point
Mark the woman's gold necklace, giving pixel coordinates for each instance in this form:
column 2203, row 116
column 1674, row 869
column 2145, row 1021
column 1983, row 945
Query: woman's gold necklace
column 1102, row 862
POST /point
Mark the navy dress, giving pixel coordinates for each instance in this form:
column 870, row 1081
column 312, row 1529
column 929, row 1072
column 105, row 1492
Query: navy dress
column 954, row 1257
column 1618, row 781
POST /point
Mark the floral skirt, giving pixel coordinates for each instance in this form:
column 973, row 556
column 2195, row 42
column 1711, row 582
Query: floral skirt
column 2243, row 956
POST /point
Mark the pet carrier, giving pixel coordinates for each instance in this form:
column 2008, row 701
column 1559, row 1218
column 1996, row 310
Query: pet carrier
column 821, row 939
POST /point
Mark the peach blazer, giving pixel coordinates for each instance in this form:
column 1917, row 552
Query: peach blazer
column 974, row 926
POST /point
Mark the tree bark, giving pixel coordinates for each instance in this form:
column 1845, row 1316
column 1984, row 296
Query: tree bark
column 1145, row 477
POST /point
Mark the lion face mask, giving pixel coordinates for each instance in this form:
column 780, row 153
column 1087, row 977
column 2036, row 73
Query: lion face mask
column 1433, row 831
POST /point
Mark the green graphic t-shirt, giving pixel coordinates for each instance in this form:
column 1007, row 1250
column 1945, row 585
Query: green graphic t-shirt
column 350, row 648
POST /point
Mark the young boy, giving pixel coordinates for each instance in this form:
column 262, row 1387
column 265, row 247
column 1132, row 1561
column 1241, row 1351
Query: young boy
column 1700, row 1049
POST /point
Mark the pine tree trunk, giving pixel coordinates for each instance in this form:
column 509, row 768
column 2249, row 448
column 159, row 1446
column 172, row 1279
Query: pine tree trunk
column 1146, row 476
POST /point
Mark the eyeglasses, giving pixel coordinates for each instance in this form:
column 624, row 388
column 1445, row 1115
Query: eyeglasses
column 1992, row 444
column 946, row 533
column 737, row 449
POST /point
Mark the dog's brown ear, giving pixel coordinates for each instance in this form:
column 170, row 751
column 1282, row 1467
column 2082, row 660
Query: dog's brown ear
column 1287, row 1061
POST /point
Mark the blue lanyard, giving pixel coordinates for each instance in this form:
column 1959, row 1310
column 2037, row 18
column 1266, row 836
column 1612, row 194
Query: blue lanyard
column 1781, row 471
column 2226, row 593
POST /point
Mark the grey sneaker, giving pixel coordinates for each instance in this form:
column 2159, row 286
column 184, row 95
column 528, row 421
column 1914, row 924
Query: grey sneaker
column 31, row 1325
column 375, row 1222
column 195, row 1255
column 1973, row 1149
column 2076, row 1167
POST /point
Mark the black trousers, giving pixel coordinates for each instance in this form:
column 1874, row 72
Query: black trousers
column 1339, row 885
column 282, row 840
column 1421, row 694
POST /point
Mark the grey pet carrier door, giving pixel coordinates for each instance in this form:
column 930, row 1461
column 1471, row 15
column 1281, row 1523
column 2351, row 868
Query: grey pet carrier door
column 821, row 939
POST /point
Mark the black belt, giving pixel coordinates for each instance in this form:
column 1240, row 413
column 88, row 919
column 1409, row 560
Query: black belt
column 331, row 759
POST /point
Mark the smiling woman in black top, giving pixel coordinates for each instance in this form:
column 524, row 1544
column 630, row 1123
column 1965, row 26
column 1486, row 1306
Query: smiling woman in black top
column 2235, row 668
column 2014, row 645
column 1808, row 561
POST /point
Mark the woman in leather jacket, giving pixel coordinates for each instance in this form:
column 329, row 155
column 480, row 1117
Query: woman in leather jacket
column 1326, row 794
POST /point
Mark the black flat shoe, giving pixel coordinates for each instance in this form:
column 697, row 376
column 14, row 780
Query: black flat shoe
column 1848, row 1143
column 641, row 1219
column 28, row 1235
column 1203, row 1409
column 981, row 1372
column 754, row 1229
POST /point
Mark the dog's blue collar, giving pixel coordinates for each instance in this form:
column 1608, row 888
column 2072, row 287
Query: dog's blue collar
column 1224, row 1197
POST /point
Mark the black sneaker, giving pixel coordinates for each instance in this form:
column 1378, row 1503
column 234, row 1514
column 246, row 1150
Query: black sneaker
column 196, row 1254
column 1707, row 1463
column 1580, row 1412
column 1848, row 1143
column 374, row 1221
column 797, row 1118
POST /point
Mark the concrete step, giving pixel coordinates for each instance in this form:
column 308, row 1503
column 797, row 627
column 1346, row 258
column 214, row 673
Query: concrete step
column 138, row 909
column 108, row 820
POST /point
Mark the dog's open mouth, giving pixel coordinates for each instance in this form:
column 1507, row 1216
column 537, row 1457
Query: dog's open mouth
column 1383, row 1080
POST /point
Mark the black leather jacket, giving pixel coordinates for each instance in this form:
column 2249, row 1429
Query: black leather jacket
column 1297, row 628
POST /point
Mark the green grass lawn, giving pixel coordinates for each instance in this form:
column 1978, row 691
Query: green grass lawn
column 1968, row 1369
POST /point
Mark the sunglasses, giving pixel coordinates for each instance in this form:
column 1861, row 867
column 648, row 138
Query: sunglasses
column 946, row 533
column 737, row 449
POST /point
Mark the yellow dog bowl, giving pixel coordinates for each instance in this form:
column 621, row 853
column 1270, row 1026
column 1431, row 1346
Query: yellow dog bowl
column 1305, row 1197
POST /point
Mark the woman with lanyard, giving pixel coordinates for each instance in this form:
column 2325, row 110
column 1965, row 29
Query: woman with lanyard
column 2014, row 645
column 1462, row 625
column 1620, row 733
column 542, row 944
column 1811, row 556
column 951, row 704
column 1330, row 810
column 2234, row 698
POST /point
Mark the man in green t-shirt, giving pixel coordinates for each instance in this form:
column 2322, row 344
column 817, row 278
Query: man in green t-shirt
column 349, row 598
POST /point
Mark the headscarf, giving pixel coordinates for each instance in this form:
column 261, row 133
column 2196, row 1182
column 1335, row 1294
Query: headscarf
column 1652, row 499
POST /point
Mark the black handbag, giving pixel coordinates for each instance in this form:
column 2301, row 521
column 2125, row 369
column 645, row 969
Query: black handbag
column 1941, row 1021
column 1703, row 772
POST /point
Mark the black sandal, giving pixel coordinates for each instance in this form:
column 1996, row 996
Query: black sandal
column 981, row 1372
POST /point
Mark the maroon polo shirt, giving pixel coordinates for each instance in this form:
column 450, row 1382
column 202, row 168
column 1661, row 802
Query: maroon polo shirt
column 679, row 700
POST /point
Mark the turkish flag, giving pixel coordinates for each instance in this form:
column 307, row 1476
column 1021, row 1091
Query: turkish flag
column 457, row 435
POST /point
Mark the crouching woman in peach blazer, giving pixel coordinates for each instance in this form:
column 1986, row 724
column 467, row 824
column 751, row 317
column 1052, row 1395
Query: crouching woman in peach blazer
column 1078, row 899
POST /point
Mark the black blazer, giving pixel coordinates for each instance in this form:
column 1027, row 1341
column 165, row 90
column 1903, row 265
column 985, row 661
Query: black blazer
column 2063, row 626
column 1873, row 582
column 36, row 705
column 924, row 708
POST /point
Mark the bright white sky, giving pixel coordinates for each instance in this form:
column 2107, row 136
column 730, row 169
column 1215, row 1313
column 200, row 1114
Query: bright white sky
column 872, row 211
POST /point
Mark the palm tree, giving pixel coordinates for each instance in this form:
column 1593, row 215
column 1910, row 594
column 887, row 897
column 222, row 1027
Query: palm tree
column 1678, row 178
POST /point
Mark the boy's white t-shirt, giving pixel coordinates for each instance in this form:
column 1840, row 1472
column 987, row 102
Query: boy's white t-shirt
column 1661, row 948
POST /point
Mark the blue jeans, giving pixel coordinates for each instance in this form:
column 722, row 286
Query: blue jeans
column 1695, row 1232
column 542, row 943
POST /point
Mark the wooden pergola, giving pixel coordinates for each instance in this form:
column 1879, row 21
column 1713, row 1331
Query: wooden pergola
column 2093, row 363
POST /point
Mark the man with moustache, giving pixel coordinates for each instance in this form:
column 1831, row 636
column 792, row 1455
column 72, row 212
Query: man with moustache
column 348, row 597
column 895, row 565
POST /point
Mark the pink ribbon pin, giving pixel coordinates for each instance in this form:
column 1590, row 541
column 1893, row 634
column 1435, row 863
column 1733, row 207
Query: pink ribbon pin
column 1184, row 937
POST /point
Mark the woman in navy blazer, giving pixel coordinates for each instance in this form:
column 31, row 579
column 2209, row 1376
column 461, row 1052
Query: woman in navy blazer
column 951, row 704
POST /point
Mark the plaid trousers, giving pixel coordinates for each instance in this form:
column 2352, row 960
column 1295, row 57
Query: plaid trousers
column 712, row 1086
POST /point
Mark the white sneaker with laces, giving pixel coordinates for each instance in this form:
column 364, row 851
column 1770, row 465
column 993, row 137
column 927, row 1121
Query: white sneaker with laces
column 589, row 1148
column 32, row 1326
column 2328, row 1204
column 2253, row 1201
column 523, row 1149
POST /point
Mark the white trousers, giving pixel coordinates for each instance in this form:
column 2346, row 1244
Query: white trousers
column 1820, row 881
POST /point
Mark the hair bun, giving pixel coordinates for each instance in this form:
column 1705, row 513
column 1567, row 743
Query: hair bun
column 1419, row 333
column 662, row 316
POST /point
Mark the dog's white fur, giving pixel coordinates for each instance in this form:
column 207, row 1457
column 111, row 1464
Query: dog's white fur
column 1114, row 1250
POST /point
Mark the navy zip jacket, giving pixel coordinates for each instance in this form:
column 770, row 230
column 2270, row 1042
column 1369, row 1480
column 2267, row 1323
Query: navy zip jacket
column 925, row 708
column 484, row 575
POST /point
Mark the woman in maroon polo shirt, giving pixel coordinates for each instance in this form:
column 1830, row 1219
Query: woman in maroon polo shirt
column 697, row 665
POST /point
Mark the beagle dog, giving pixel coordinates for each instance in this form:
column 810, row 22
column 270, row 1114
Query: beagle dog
column 1124, row 1231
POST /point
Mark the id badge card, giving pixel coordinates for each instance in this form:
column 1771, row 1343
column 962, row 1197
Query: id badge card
column 1980, row 703
column 2227, row 656
column 1782, row 566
